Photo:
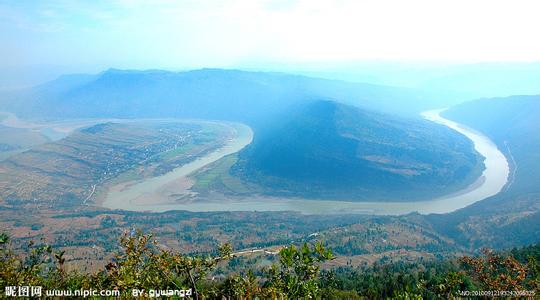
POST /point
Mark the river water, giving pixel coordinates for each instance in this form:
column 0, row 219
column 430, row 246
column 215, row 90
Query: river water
column 154, row 194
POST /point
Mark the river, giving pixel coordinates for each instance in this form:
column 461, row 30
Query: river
column 156, row 194
column 159, row 193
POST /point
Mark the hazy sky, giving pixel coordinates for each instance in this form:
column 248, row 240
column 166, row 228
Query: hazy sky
column 198, row 33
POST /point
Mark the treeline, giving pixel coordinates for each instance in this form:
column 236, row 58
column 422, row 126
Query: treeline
column 296, row 273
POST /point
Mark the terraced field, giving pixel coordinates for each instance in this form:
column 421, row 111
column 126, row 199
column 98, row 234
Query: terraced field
column 74, row 170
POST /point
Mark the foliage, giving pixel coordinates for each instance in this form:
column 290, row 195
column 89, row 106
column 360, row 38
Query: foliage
column 298, row 271
column 243, row 287
column 496, row 272
column 297, row 274
column 437, row 279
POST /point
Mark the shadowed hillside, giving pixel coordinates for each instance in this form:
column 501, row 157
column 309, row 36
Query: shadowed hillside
column 330, row 150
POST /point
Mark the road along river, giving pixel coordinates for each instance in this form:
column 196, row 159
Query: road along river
column 154, row 194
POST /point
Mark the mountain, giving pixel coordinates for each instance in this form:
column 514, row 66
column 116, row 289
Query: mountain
column 234, row 95
column 448, row 84
column 512, row 216
column 329, row 150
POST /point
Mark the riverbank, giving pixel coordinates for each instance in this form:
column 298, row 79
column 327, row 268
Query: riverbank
column 168, row 188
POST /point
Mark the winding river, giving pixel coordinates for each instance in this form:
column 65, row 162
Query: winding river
column 156, row 194
column 170, row 191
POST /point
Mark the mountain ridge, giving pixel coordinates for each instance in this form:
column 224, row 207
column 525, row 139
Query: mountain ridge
column 205, row 93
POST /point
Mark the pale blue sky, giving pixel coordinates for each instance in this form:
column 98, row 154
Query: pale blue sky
column 96, row 34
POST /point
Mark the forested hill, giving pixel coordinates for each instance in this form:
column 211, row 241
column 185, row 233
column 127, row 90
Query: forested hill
column 512, row 216
column 206, row 93
column 335, row 151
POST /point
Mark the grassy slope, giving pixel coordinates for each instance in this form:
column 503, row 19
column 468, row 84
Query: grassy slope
column 216, row 177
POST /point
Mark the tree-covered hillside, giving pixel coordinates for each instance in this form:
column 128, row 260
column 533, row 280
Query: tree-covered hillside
column 295, row 272
column 329, row 150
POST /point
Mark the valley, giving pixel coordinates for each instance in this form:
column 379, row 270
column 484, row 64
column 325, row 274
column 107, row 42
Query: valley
column 173, row 178
column 269, row 149
column 217, row 177
column 153, row 187
column 512, row 124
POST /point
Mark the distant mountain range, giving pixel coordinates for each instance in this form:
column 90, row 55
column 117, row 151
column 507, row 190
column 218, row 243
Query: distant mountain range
column 249, row 97
column 329, row 150
column 449, row 84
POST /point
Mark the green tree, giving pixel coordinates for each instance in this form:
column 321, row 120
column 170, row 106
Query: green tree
column 241, row 287
column 298, row 271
